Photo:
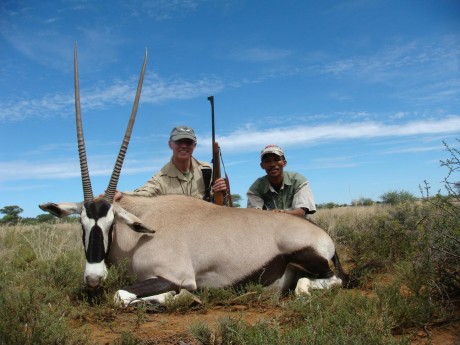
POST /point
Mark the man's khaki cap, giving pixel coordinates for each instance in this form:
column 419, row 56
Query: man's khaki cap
column 182, row 132
column 272, row 149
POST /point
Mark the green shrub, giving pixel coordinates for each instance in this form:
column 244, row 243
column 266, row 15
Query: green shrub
column 202, row 333
column 442, row 245
column 397, row 197
column 33, row 315
column 363, row 202
column 407, row 297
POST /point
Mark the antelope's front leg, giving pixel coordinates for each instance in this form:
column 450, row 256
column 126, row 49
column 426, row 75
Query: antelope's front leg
column 155, row 289
column 124, row 298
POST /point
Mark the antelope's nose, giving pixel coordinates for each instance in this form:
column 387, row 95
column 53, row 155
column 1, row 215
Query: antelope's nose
column 95, row 274
column 93, row 281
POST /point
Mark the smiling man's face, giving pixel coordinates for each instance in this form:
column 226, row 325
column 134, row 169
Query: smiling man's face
column 273, row 164
column 183, row 148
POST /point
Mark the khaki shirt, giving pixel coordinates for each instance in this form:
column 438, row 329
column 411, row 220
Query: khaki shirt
column 170, row 180
column 294, row 193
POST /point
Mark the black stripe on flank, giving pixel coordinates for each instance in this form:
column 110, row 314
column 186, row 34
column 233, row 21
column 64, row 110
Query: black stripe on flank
column 305, row 263
column 314, row 265
column 267, row 274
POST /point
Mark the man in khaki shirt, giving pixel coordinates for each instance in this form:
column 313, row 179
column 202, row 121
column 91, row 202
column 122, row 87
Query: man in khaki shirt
column 183, row 174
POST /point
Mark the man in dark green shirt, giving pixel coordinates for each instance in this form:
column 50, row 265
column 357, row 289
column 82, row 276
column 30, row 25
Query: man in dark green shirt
column 279, row 190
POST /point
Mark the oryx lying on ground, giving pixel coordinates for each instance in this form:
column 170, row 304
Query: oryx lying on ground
column 178, row 242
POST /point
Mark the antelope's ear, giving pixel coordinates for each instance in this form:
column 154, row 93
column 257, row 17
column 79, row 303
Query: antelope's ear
column 131, row 220
column 62, row 209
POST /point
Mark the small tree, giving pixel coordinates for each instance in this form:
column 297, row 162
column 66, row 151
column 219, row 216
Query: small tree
column 11, row 214
column 328, row 205
column 457, row 187
column 45, row 218
column 236, row 198
column 397, row 197
column 362, row 202
column 453, row 165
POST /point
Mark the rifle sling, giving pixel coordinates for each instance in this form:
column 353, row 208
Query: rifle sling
column 207, row 174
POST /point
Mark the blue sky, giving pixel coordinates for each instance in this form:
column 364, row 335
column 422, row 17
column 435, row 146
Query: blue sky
column 360, row 94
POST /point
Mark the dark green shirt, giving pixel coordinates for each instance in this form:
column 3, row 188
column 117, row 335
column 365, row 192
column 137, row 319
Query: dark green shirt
column 294, row 193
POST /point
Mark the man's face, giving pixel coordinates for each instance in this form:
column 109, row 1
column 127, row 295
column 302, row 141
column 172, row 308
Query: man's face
column 182, row 148
column 273, row 164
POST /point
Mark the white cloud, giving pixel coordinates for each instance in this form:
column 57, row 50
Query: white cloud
column 21, row 170
column 413, row 149
column 120, row 92
column 247, row 139
column 65, row 168
column 312, row 135
column 400, row 61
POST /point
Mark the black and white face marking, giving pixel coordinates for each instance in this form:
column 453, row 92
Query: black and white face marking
column 97, row 219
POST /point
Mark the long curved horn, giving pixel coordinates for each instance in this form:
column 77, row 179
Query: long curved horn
column 111, row 189
column 87, row 190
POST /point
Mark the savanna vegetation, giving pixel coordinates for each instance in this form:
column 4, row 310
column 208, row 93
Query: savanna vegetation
column 402, row 256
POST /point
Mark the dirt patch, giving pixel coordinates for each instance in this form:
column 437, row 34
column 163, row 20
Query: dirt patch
column 448, row 334
column 165, row 328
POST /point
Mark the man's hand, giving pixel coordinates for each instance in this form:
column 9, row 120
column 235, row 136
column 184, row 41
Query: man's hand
column 300, row 212
column 219, row 185
column 117, row 196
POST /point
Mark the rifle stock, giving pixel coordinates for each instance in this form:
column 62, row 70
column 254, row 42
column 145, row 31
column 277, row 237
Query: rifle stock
column 218, row 196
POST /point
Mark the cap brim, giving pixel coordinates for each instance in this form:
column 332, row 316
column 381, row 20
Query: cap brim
column 278, row 153
column 183, row 136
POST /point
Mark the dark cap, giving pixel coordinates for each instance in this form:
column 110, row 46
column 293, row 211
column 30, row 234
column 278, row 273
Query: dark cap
column 182, row 132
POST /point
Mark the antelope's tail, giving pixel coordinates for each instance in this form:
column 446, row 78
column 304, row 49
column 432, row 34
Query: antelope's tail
column 339, row 270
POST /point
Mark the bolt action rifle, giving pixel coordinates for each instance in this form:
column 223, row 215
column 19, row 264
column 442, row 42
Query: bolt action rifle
column 216, row 155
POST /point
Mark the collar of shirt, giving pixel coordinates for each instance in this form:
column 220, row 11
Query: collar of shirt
column 172, row 171
column 286, row 182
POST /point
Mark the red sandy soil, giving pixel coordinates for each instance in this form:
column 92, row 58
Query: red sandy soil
column 165, row 328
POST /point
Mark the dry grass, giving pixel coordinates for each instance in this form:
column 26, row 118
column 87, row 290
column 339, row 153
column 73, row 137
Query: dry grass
column 42, row 300
column 355, row 217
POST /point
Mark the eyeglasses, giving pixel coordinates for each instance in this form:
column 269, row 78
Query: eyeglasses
column 187, row 142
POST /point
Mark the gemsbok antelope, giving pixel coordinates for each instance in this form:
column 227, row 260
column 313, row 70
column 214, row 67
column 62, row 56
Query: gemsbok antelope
column 175, row 242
